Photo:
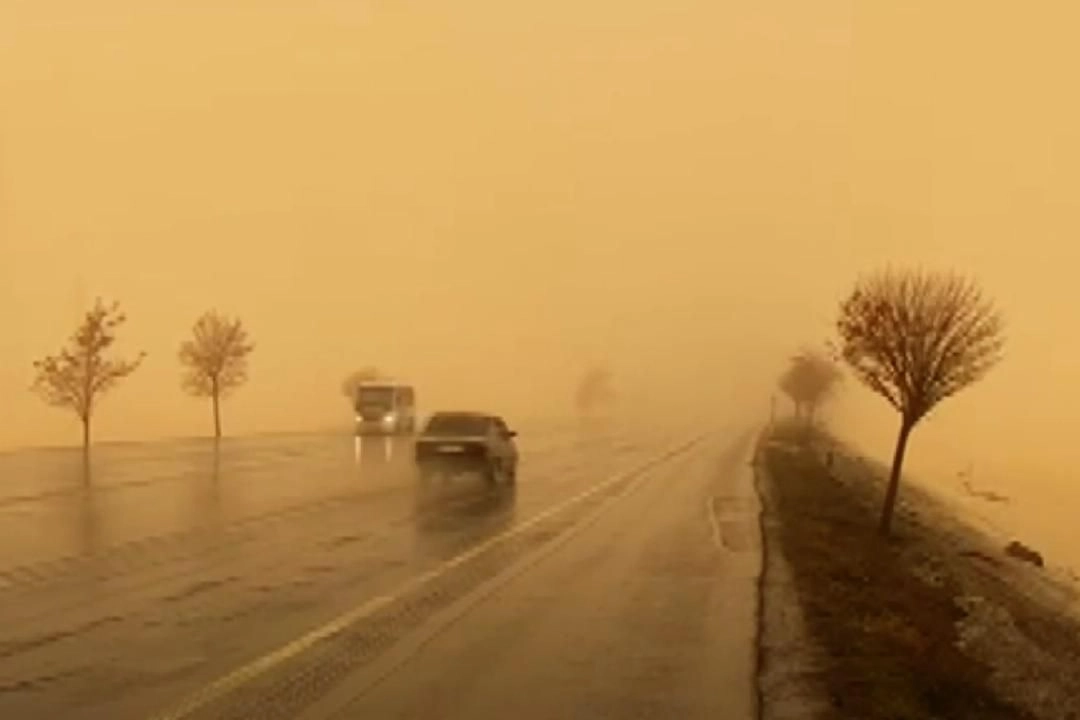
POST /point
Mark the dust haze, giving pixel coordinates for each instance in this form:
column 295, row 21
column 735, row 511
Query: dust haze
column 486, row 199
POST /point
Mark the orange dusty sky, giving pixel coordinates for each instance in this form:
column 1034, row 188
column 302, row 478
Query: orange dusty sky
column 486, row 197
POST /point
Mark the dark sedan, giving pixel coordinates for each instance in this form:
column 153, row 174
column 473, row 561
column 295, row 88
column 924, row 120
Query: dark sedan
column 467, row 441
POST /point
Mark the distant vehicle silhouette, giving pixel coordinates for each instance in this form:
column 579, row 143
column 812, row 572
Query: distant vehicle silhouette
column 385, row 406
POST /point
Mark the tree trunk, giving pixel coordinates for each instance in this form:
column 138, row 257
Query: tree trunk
column 86, row 434
column 894, row 478
column 217, row 413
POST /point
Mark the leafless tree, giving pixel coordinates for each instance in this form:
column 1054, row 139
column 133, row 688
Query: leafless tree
column 809, row 380
column 594, row 391
column 215, row 359
column 355, row 379
column 917, row 338
column 81, row 372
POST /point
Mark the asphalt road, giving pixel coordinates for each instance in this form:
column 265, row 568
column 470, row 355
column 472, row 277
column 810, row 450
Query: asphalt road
column 184, row 583
column 645, row 608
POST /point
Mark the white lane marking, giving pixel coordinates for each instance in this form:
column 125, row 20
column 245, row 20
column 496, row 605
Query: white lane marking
column 246, row 673
column 710, row 510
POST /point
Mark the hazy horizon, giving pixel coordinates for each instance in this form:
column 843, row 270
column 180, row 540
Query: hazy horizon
column 680, row 191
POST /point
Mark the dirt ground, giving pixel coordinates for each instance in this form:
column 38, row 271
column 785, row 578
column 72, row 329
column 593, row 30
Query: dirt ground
column 936, row 622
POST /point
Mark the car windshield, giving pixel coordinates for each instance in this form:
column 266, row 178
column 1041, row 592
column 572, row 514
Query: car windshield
column 457, row 424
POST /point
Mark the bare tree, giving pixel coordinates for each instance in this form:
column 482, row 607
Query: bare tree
column 215, row 359
column 355, row 379
column 594, row 390
column 809, row 381
column 81, row 372
column 917, row 338
column 788, row 383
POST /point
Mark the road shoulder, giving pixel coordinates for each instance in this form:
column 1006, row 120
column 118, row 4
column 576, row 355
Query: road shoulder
column 936, row 622
column 789, row 659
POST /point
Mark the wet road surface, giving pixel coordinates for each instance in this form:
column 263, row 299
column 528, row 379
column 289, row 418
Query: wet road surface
column 645, row 608
column 121, row 597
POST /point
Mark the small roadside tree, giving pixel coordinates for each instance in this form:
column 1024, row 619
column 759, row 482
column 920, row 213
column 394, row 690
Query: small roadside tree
column 917, row 338
column 81, row 372
column 809, row 381
column 594, row 391
column 788, row 383
column 215, row 359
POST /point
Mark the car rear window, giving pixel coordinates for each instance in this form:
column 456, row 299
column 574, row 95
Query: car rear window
column 457, row 425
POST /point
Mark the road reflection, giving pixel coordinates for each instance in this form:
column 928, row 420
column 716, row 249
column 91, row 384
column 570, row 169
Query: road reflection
column 452, row 511
column 375, row 452
column 207, row 502
column 89, row 533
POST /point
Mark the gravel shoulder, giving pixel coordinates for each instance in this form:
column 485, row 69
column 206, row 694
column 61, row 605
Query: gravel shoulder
column 937, row 622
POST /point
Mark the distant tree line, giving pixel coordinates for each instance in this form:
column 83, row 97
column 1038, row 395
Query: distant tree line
column 214, row 364
column 213, row 360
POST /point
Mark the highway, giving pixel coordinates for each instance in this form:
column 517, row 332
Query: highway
column 313, row 577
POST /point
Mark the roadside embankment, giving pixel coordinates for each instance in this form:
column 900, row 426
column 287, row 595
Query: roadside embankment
column 935, row 622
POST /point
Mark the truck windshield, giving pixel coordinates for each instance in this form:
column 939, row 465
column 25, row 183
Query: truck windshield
column 382, row 396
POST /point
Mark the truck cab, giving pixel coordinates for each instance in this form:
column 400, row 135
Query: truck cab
column 384, row 407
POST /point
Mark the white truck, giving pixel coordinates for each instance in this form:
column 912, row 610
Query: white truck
column 385, row 407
